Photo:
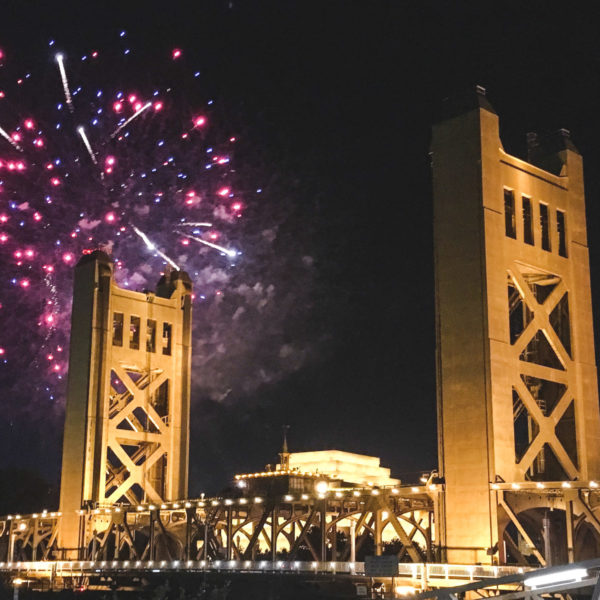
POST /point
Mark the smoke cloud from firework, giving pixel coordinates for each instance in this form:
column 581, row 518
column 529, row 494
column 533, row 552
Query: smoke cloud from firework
column 95, row 153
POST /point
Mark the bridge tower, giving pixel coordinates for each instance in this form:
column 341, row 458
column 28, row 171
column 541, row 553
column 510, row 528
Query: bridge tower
column 517, row 387
column 126, row 430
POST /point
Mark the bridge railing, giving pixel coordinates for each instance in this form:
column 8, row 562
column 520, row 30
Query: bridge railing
column 421, row 572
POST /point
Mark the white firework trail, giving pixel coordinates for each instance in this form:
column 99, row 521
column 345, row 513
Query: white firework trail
column 65, row 82
column 88, row 146
column 136, row 114
column 230, row 253
column 151, row 246
column 10, row 140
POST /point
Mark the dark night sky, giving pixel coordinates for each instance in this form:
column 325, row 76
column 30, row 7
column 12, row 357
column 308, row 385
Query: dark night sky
column 342, row 95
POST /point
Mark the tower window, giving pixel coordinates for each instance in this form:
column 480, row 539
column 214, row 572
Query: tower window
column 117, row 338
column 134, row 333
column 545, row 226
column 167, row 332
column 151, row 336
column 561, row 228
column 509, row 214
column 527, row 221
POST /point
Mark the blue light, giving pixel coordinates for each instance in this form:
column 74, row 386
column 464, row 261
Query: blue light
column 123, row 33
column 197, row 74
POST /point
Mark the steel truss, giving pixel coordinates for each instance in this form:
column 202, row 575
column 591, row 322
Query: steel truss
column 548, row 523
column 33, row 536
column 318, row 528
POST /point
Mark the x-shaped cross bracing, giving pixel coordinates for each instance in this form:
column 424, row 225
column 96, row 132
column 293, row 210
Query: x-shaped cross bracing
column 153, row 444
column 546, row 423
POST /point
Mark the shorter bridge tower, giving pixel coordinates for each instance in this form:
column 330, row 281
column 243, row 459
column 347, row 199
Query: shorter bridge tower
column 126, row 436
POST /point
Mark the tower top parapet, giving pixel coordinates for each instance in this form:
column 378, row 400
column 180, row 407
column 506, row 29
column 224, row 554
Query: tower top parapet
column 465, row 101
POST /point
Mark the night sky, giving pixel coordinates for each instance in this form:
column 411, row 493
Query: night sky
column 337, row 99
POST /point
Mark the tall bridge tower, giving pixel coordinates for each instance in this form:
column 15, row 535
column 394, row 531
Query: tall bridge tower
column 517, row 388
column 126, row 431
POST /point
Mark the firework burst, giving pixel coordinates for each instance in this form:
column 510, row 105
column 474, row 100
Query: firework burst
column 89, row 159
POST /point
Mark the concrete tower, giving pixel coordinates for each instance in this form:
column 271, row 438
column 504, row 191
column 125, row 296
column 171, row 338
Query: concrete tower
column 127, row 417
column 517, row 388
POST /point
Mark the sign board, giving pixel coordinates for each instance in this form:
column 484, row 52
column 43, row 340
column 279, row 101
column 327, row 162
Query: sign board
column 361, row 590
column 381, row 566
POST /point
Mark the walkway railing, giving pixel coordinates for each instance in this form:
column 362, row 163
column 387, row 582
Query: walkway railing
column 419, row 572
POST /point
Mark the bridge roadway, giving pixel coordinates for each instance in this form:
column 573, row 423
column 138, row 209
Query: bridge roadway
column 418, row 575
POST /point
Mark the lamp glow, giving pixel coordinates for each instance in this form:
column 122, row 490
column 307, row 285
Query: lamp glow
column 554, row 578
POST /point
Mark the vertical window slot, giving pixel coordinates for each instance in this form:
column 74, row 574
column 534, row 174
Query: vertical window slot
column 527, row 221
column 151, row 335
column 545, row 226
column 509, row 214
column 134, row 332
column 117, row 337
column 561, row 228
column 167, row 332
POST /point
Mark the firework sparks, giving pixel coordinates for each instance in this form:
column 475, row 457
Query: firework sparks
column 151, row 177
column 10, row 140
column 229, row 252
column 86, row 142
column 65, row 82
column 135, row 115
column 58, row 201
column 151, row 246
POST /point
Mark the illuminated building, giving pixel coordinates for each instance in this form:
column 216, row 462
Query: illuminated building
column 355, row 469
column 304, row 471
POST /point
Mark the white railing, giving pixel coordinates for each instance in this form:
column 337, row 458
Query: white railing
column 417, row 571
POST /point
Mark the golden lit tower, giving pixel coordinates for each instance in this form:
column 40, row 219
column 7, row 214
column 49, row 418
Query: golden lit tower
column 127, row 417
column 517, row 388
